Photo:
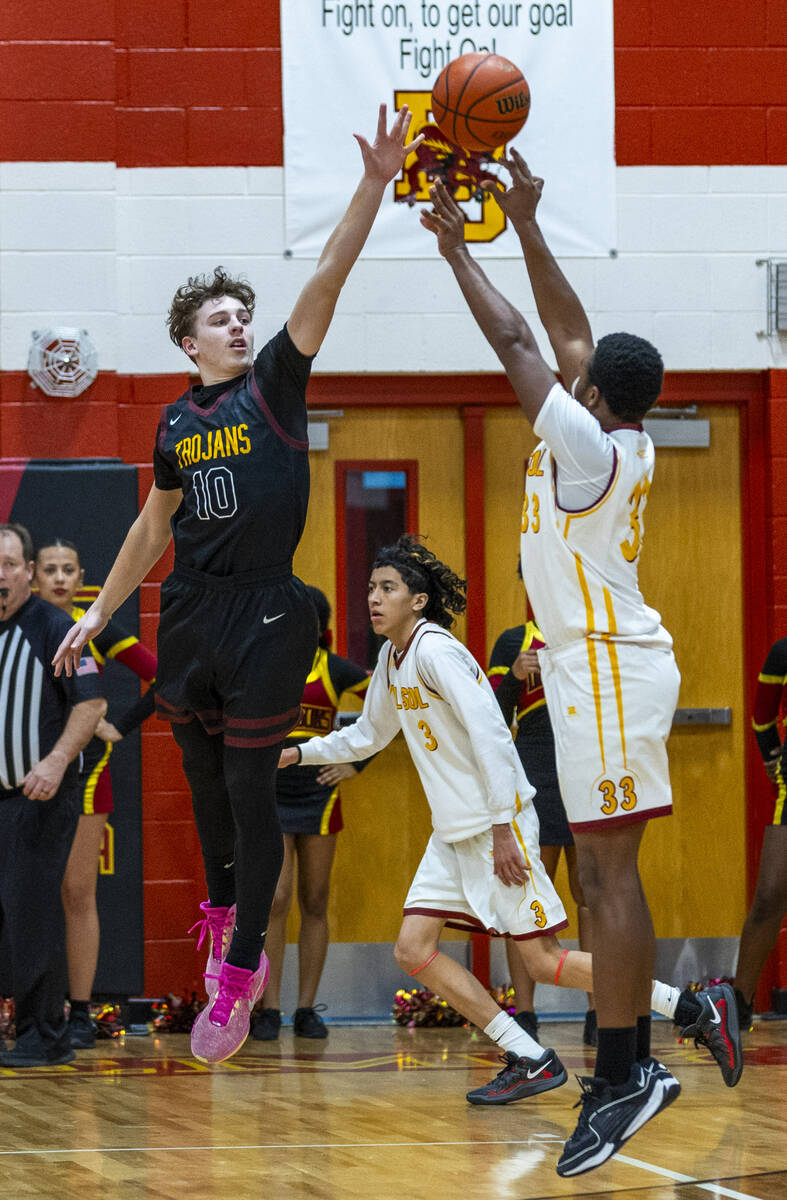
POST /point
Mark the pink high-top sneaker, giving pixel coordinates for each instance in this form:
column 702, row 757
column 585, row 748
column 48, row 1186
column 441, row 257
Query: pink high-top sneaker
column 222, row 1028
column 219, row 924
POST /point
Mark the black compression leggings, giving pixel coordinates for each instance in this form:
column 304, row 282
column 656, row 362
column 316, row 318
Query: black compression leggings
column 234, row 798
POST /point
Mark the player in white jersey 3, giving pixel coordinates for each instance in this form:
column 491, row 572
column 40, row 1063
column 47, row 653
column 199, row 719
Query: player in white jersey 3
column 609, row 675
column 482, row 870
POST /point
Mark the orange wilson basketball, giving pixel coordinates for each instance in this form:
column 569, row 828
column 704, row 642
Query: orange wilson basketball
column 480, row 101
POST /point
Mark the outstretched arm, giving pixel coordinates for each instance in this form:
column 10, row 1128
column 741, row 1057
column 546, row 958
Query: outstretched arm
column 373, row 730
column 503, row 326
column 313, row 312
column 559, row 307
column 144, row 545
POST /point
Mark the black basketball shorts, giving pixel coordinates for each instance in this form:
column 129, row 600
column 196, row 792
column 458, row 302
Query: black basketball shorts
column 234, row 652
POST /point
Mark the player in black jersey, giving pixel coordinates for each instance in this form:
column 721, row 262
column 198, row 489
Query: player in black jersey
column 238, row 632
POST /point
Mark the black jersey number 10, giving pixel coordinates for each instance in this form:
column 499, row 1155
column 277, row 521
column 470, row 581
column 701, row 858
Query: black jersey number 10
column 215, row 493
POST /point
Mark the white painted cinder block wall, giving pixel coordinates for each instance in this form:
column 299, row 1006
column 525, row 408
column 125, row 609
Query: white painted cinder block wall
column 102, row 248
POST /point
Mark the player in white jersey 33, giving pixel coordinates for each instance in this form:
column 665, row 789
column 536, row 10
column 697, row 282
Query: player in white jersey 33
column 482, row 870
column 609, row 675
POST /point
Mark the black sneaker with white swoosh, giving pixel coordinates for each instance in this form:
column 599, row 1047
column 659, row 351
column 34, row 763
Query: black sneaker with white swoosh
column 521, row 1077
column 611, row 1115
column 717, row 1027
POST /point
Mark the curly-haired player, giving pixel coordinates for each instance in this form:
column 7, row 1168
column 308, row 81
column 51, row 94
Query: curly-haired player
column 183, row 315
column 481, row 870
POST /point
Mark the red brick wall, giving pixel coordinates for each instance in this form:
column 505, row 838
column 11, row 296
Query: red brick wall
column 701, row 84
column 143, row 84
column 148, row 86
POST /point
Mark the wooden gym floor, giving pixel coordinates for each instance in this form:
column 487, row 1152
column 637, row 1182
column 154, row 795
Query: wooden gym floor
column 375, row 1112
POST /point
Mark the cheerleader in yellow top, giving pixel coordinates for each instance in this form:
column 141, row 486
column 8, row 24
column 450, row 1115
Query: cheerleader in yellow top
column 59, row 577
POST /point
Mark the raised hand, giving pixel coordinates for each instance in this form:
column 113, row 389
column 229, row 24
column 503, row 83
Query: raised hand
column 383, row 159
column 446, row 219
column 520, row 200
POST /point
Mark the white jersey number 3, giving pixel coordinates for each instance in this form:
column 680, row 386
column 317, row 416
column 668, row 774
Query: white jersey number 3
column 630, row 548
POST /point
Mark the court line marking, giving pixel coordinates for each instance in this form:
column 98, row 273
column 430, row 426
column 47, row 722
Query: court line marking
column 623, row 1158
column 678, row 1178
column 264, row 1146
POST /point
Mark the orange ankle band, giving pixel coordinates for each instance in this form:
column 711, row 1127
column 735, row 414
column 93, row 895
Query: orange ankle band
column 563, row 957
column 431, row 958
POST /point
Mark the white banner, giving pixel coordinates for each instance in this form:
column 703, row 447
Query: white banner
column 342, row 58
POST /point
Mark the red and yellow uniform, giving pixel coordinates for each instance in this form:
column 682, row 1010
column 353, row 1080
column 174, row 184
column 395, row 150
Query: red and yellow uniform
column 523, row 704
column 768, row 702
column 114, row 643
column 304, row 805
column 519, row 697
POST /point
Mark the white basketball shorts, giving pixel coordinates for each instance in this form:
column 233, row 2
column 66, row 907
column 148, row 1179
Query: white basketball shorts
column 611, row 706
column 456, row 882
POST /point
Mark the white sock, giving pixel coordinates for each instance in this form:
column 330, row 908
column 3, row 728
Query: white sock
column 664, row 999
column 504, row 1030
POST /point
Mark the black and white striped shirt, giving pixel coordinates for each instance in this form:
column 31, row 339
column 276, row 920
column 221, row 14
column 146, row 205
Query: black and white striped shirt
column 34, row 705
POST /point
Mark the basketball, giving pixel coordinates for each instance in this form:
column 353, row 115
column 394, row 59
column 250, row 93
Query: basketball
column 480, row 101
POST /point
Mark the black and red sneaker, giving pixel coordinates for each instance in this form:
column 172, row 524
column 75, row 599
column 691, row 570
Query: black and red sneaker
column 521, row 1077
column 716, row 1027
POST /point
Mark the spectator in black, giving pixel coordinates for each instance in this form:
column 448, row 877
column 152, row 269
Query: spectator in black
column 44, row 724
column 769, row 904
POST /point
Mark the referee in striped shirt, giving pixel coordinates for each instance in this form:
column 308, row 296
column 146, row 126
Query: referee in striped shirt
column 44, row 724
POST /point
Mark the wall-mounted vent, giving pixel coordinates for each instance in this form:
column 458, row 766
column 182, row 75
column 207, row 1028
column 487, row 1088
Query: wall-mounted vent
column 777, row 296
